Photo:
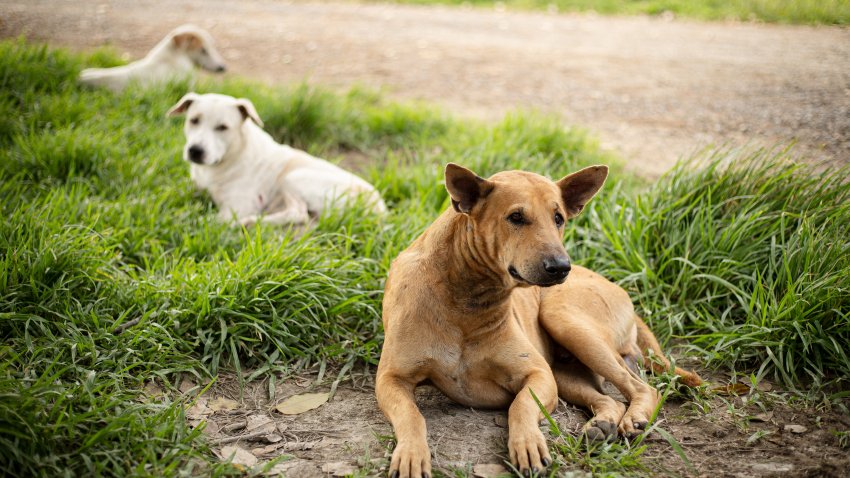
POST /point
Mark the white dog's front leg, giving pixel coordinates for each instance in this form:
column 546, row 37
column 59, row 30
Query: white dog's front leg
column 294, row 214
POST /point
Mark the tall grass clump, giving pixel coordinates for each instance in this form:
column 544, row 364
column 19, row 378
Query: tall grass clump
column 747, row 256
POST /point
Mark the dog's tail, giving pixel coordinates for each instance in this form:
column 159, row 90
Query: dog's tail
column 647, row 342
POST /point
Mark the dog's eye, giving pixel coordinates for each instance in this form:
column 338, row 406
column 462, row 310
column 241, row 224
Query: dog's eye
column 195, row 120
column 559, row 219
column 221, row 127
column 516, row 218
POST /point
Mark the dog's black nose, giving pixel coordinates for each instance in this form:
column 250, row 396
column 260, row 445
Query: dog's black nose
column 557, row 266
column 220, row 68
column 196, row 154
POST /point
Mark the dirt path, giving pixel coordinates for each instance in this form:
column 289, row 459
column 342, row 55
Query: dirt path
column 650, row 88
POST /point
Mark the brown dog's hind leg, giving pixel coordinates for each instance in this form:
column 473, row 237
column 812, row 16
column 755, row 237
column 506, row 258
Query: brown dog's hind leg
column 646, row 341
column 595, row 350
column 578, row 385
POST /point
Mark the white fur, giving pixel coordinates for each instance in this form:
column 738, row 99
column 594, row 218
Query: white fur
column 249, row 175
column 174, row 57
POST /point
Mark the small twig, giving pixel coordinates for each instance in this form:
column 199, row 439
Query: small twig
column 126, row 325
column 248, row 436
column 234, row 426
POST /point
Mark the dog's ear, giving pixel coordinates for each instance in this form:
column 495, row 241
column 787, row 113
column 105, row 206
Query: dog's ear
column 465, row 187
column 181, row 106
column 248, row 111
column 187, row 40
column 579, row 187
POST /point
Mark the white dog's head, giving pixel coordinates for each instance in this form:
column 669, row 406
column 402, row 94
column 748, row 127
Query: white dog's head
column 198, row 46
column 214, row 125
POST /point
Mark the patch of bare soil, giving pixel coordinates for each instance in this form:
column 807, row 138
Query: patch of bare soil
column 652, row 89
column 721, row 434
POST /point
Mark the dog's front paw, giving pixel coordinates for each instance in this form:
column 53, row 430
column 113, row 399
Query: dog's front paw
column 411, row 460
column 528, row 451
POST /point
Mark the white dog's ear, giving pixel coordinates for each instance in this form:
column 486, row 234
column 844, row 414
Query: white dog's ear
column 247, row 109
column 465, row 187
column 187, row 41
column 181, row 106
column 579, row 187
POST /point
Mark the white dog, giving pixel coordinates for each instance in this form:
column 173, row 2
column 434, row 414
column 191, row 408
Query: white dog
column 174, row 57
column 249, row 175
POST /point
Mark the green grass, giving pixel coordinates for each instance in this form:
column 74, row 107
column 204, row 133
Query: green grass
column 813, row 12
column 747, row 257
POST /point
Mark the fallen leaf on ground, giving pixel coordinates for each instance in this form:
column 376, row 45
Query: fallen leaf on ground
column 153, row 391
column 238, row 456
column 221, row 403
column 186, row 386
column 301, row 403
column 489, row 470
column 198, row 410
column 761, row 417
column 339, row 468
column 798, row 429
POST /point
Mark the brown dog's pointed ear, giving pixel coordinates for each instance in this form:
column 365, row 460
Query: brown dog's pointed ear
column 248, row 111
column 465, row 187
column 579, row 187
column 181, row 106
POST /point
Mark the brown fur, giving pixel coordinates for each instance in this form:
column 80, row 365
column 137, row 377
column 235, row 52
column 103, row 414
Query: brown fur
column 478, row 306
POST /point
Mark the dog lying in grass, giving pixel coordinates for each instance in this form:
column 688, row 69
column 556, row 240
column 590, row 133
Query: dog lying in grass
column 480, row 306
column 249, row 175
column 174, row 57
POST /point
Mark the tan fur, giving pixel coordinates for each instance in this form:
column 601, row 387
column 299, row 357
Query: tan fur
column 478, row 306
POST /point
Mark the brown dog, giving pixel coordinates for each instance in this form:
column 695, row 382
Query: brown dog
column 478, row 306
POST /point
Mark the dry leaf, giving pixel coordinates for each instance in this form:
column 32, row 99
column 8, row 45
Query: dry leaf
column 221, row 403
column 186, row 386
column 798, row 429
column 199, row 410
column 238, row 456
column 301, row 403
column 732, row 389
column 153, row 391
column 489, row 470
column 761, row 417
column 339, row 468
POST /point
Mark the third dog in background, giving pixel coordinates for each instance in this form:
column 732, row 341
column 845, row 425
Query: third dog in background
column 249, row 175
column 174, row 57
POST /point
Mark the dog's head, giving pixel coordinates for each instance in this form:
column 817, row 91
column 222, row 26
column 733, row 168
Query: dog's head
column 214, row 125
column 198, row 46
column 518, row 218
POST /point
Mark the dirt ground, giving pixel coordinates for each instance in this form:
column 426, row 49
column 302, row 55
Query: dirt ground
column 653, row 89
column 723, row 436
